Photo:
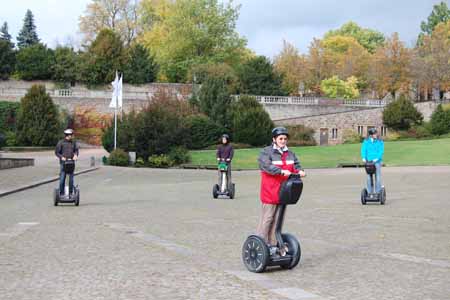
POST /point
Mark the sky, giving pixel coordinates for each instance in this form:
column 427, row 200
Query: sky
column 264, row 23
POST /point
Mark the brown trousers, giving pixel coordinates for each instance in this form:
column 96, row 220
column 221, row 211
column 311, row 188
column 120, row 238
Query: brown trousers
column 267, row 223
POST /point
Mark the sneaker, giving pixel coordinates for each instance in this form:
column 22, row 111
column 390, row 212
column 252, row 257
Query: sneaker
column 273, row 250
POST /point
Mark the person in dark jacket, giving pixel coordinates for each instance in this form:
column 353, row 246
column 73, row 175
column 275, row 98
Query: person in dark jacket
column 66, row 149
column 225, row 153
column 276, row 163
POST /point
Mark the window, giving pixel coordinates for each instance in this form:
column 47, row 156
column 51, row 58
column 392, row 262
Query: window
column 383, row 130
column 334, row 133
column 360, row 130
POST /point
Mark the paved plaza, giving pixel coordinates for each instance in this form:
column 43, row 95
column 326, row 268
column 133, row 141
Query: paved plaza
column 159, row 234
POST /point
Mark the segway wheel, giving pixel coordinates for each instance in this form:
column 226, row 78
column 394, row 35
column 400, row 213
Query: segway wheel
column 383, row 196
column 215, row 191
column 232, row 191
column 77, row 197
column 293, row 249
column 255, row 254
column 364, row 196
column 55, row 197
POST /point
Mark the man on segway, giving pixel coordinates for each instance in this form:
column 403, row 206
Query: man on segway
column 276, row 163
column 372, row 150
column 225, row 154
column 66, row 149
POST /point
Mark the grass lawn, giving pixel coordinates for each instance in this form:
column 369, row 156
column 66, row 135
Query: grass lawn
column 400, row 153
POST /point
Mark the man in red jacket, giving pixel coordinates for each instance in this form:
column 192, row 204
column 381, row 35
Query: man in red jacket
column 276, row 163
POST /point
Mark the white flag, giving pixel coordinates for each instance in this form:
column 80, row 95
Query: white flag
column 115, row 85
column 119, row 91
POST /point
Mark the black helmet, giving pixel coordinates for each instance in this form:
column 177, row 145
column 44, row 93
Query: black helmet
column 279, row 131
column 372, row 130
column 226, row 136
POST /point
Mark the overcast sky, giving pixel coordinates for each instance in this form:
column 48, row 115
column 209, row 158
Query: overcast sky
column 265, row 23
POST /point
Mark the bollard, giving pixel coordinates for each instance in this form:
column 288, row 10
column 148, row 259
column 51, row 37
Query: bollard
column 92, row 161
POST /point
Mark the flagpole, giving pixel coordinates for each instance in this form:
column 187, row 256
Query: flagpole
column 115, row 126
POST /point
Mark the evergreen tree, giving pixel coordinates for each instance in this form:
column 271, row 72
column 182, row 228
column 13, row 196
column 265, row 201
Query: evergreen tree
column 140, row 66
column 401, row 114
column 35, row 62
column 440, row 121
column 27, row 35
column 7, row 59
column 66, row 65
column 4, row 34
column 38, row 120
column 214, row 101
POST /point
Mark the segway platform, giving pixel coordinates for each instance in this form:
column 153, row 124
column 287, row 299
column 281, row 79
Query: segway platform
column 69, row 168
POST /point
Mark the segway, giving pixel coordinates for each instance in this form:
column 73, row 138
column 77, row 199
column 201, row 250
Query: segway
column 223, row 189
column 69, row 168
column 372, row 197
column 255, row 252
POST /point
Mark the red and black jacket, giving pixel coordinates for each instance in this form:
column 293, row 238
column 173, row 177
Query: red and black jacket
column 271, row 161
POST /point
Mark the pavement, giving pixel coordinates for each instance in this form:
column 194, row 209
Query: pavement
column 159, row 234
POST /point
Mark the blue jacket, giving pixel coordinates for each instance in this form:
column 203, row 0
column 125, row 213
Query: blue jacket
column 372, row 150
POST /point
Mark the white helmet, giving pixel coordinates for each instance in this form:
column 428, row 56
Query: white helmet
column 68, row 131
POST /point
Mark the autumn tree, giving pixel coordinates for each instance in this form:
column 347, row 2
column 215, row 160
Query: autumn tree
column 389, row 69
column 368, row 38
column 185, row 33
column 292, row 65
column 121, row 16
column 432, row 60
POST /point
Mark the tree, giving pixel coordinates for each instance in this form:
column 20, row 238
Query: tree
column 368, row 38
column 4, row 34
column 432, row 61
column 214, row 101
column 27, row 35
column 104, row 57
column 439, row 14
column 292, row 66
column 121, row 16
column 7, row 59
column 257, row 77
column 345, row 57
column 140, row 66
column 401, row 114
column 251, row 123
column 35, row 62
column 337, row 88
column 203, row 131
column 440, row 121
column 66, row 65
column 38, row 120
column 389, row 69
column 185, row 33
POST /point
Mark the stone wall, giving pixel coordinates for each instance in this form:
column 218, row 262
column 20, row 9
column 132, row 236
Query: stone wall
column 9, row 163
column 349, row 121
column 283, row 111
column 79, row 96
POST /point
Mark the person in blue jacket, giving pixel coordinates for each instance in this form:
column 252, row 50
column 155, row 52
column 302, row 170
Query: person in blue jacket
column 372, row 149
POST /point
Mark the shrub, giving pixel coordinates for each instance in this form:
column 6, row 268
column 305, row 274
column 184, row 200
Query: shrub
column 139, row 162
column 419, row 132
column 300, row 135
column 179, row 155
column 161, row 126
column 401, row 114
column 351, row 137
column 118, row 157
column 10, row 139
column 2, row 140
column 160, row 161
column 126, row 133
column 8, row 115
column 38, row 121
column 440, row 121
column 251, row 123
column 140, row 67
column 392, row 136
column 203, row 131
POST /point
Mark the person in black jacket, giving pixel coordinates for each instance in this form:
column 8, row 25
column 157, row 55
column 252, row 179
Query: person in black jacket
column 66, row 149
column 225, row 153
